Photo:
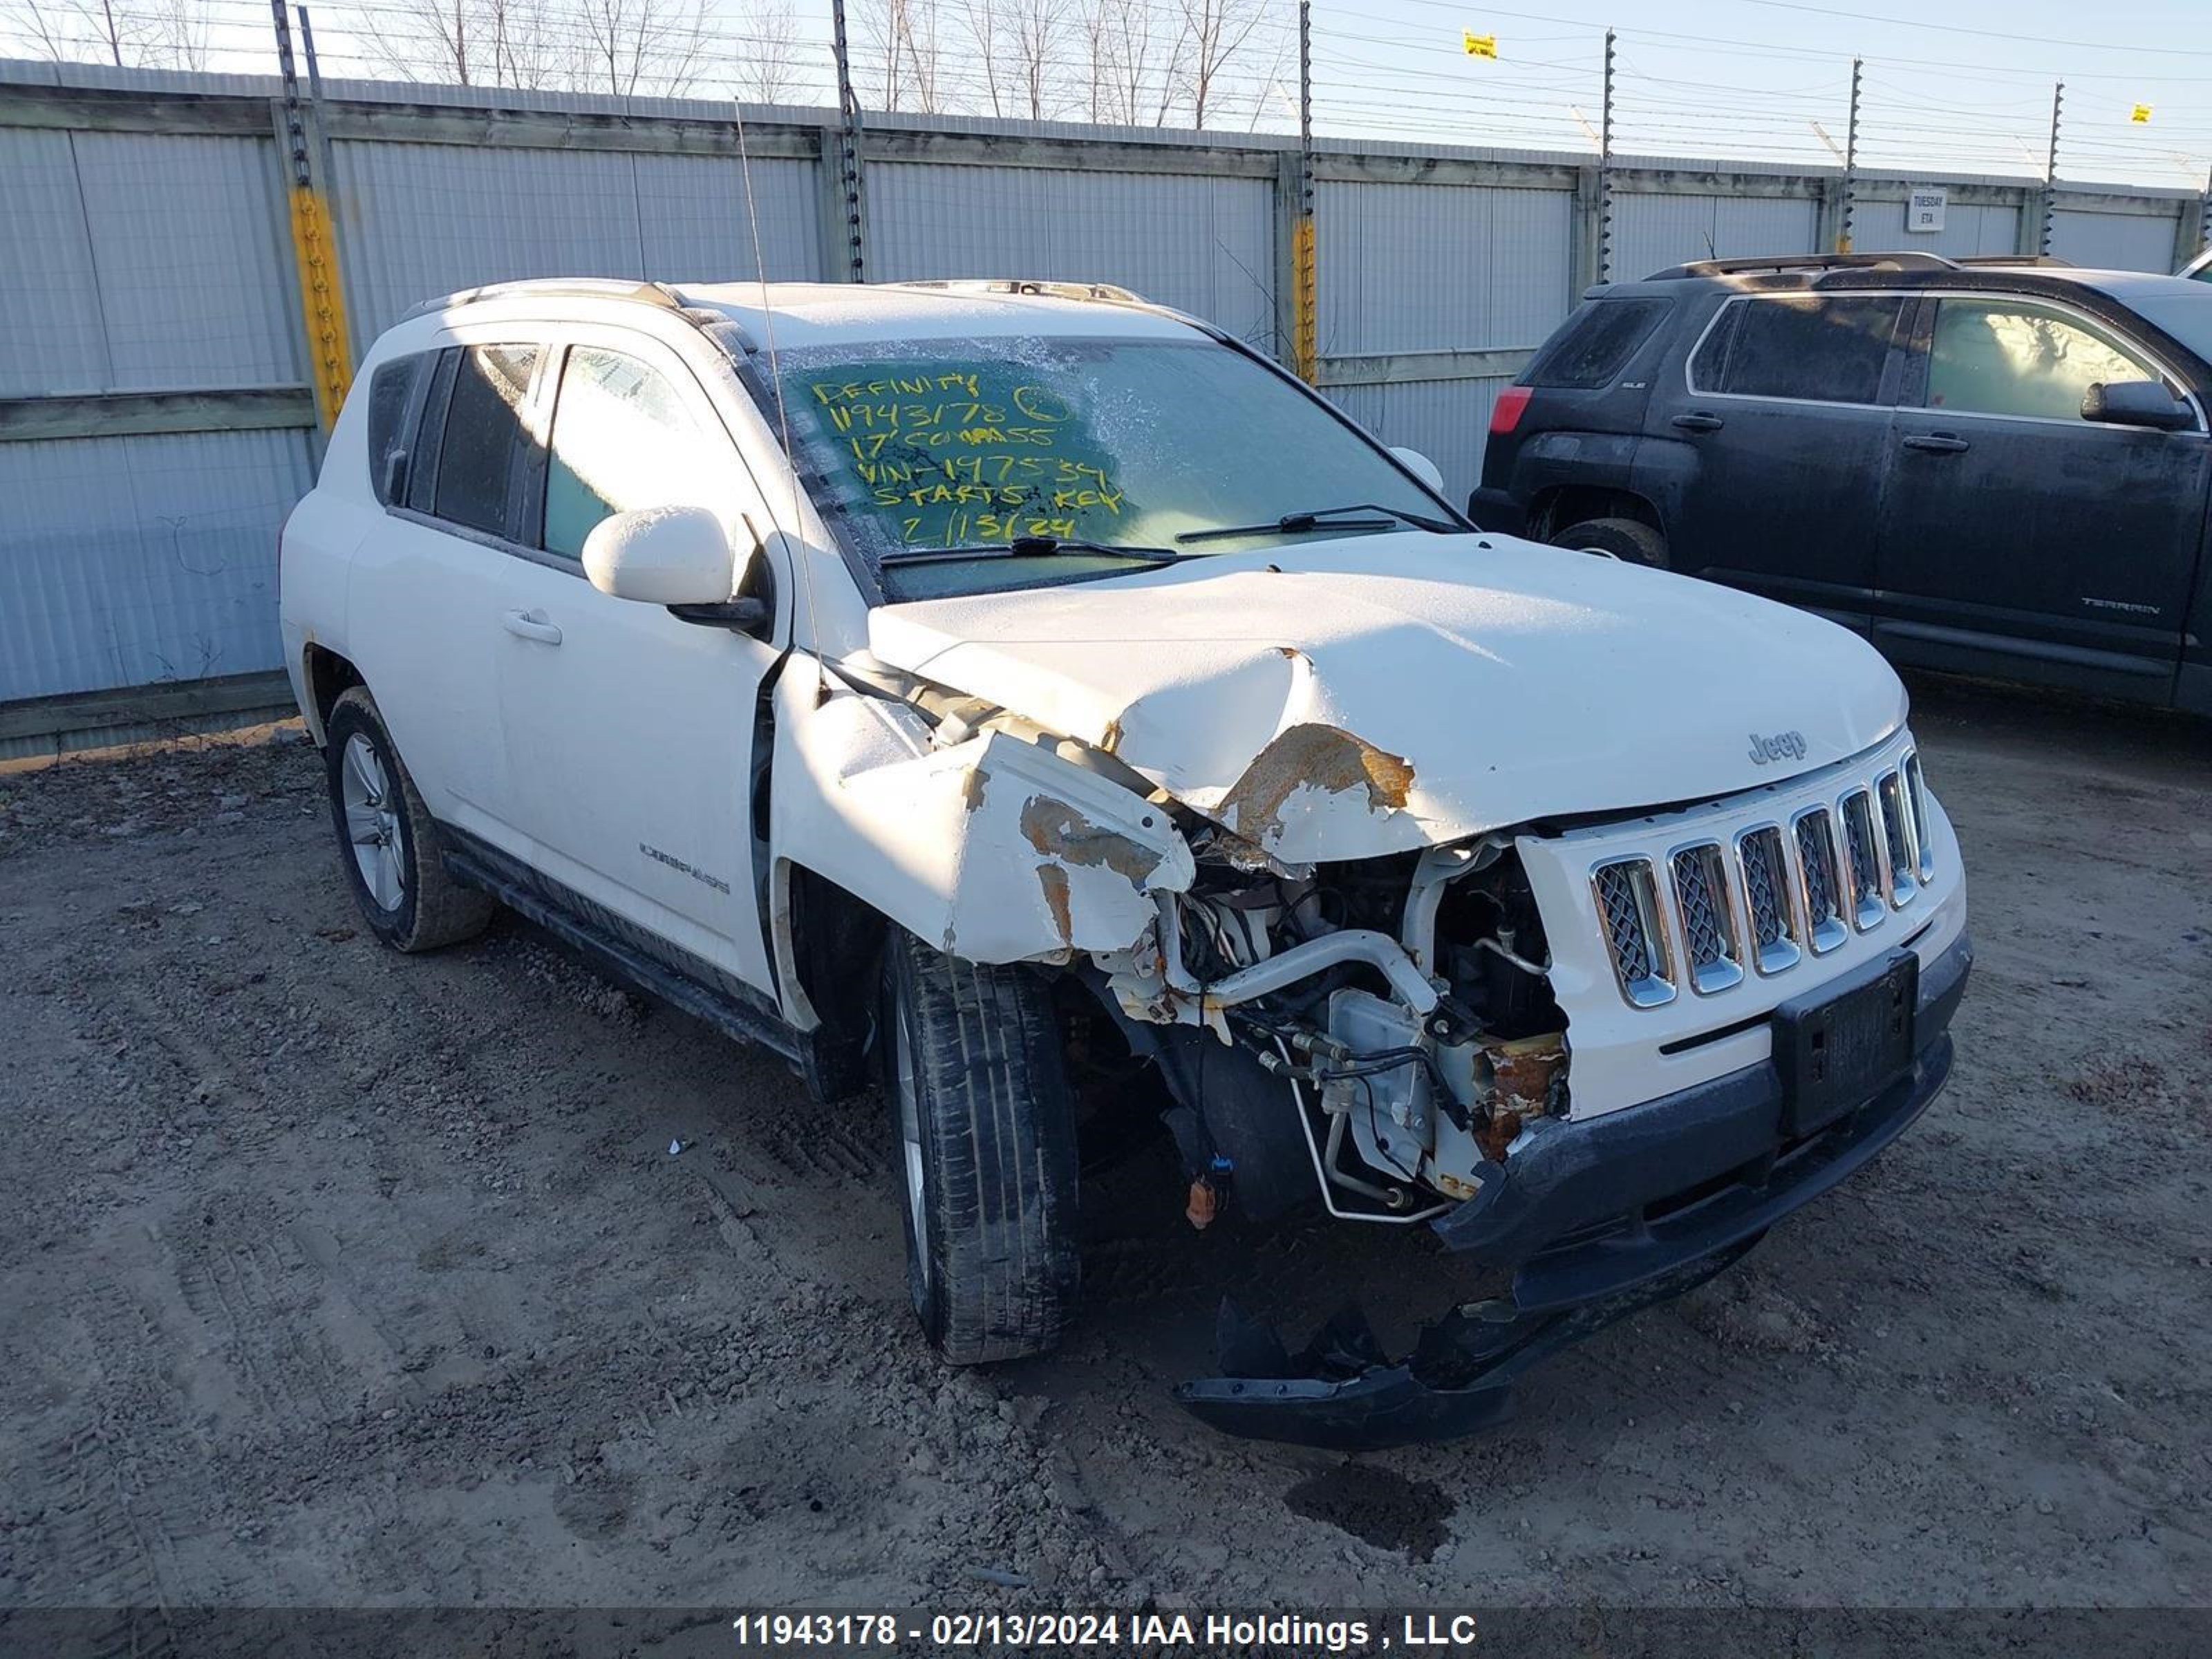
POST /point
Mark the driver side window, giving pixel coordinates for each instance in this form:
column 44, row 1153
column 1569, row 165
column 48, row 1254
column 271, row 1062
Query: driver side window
column 622, row 439
column 2000, row 357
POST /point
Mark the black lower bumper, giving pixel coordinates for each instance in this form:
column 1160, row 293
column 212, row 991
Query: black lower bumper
column 1598, row 1218
column 1496, row 510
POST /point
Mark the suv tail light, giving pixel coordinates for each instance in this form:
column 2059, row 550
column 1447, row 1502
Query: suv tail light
column 1505, row 413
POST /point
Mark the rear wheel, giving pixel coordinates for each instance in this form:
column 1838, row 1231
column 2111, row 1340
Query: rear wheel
column 978, row 1083
column 1628, row 540
column 387, row 843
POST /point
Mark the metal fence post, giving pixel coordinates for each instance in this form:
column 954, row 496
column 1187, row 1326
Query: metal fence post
column 2051, row 170
column 1305, row 314
column 1850, row 166
column 852, row 201
column 314, row 247
column 1605, row 173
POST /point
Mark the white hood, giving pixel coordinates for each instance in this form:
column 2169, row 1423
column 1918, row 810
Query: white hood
column 1347, row 698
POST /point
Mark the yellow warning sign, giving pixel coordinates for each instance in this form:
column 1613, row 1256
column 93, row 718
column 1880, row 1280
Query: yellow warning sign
column 1480, row 45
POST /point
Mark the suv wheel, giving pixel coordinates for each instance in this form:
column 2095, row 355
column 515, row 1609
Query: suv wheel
column 977, row 1085
column 386, row 841
column 1628, row 540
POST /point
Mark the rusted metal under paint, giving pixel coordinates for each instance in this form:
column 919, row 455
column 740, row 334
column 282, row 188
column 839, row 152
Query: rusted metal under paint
column 1314, row 756
column 1058, row 830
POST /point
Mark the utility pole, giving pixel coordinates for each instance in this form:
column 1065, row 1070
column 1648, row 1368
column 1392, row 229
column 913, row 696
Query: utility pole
column 2050, row 169
column 1306, row 325
column 1850, row 165
column 848, row 157
column 1605, row 172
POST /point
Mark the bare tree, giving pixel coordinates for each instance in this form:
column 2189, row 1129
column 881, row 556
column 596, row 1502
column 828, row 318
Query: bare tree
column 630, row 46
column 902, row 37
column 178, row 36
column 78, row 31
column 1040, row 35
column 437, row 40
column 1137, row 50
column 982, row 19
column 1218, row 31
column 766, row 68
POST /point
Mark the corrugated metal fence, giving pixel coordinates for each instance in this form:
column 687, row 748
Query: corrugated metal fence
column 155, row 422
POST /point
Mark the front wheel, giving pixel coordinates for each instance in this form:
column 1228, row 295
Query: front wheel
column 1630, row 540
column 978, row 1083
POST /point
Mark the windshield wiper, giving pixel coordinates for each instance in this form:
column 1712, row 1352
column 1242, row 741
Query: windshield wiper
column 1326, row 517
column 1029, row 547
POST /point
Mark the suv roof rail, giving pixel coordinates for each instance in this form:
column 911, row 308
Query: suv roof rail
column 1787, row 261
column 1105, row 291
column 592, row 287
column 2044, row 260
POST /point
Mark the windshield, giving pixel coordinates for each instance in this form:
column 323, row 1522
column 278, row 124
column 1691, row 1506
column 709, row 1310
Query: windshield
column 1033, row 459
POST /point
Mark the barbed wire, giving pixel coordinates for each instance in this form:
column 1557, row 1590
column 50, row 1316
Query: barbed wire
column 1154, row 63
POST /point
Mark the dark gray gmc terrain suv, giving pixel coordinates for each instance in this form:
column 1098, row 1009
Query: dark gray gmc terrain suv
column 1995, row 467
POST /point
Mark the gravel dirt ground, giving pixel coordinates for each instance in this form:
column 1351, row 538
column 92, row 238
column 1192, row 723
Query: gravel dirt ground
column 332, row 1278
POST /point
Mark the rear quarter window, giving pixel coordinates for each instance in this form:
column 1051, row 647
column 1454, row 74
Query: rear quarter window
column 1597, row 343
column 391, row 409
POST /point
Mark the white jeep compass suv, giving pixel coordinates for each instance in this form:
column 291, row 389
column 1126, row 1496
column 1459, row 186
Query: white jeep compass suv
column 965, row 680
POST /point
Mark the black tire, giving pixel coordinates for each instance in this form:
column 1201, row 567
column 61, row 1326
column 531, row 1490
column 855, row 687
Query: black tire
column 1628, row 540
column 429, row 907
column 991, row 1266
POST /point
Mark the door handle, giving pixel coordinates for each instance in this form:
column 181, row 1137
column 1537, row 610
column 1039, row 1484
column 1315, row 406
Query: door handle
column 524, row 625
column 1937, row 443
column 1697, row 421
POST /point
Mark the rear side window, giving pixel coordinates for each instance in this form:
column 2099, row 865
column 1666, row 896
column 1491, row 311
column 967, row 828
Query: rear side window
column 1818, row 347
column 481, row 454
column 391, row 403
column 1598, row 343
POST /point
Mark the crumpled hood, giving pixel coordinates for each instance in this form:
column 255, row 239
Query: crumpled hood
column 1367, row 695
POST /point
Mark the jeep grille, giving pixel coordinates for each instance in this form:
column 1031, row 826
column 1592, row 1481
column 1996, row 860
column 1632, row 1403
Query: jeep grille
column 1773, row 894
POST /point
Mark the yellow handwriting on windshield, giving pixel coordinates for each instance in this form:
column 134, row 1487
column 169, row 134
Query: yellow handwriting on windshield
column 954, row 461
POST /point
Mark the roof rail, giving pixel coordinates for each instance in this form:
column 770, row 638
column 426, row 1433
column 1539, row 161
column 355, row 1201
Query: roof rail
column 1785, row 262
column 1105, row 291
column 582, row 288
column 2045, row 261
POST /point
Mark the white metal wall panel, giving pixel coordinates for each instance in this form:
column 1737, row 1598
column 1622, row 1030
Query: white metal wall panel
column 691, row 214
column 1427, row 267
column 49, row 334
column 192, row 253
column 1204, row 246
column 125, row 561
column 1650, row 233
column 2114, row 241
column 1980, row 228
column 1448, row 420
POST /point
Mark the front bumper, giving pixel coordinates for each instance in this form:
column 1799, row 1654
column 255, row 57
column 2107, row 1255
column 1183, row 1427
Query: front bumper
column 1598, row 1218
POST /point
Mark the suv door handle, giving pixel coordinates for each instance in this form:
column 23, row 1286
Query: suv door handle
column 529, row 626
column 1937, row 443
column 1698, row 421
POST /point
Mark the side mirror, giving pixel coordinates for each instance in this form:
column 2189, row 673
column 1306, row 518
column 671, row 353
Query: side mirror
column 1421, row 467
column 2137, row 402
column 661, row 555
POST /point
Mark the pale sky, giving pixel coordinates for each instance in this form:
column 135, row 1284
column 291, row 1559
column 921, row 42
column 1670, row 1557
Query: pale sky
column 1964, row 88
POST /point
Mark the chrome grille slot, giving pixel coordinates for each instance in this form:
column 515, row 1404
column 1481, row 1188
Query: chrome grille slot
column 1636, row 936
column 1821, row 887
column 1709, row 929
column 1863, row 860
column 1766, row 868
column 1916, row 801
column 1899, row 838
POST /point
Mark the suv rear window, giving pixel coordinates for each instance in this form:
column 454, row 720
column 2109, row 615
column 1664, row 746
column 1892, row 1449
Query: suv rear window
column 483, row 436
column 1826, row 348
column 1598, row 343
